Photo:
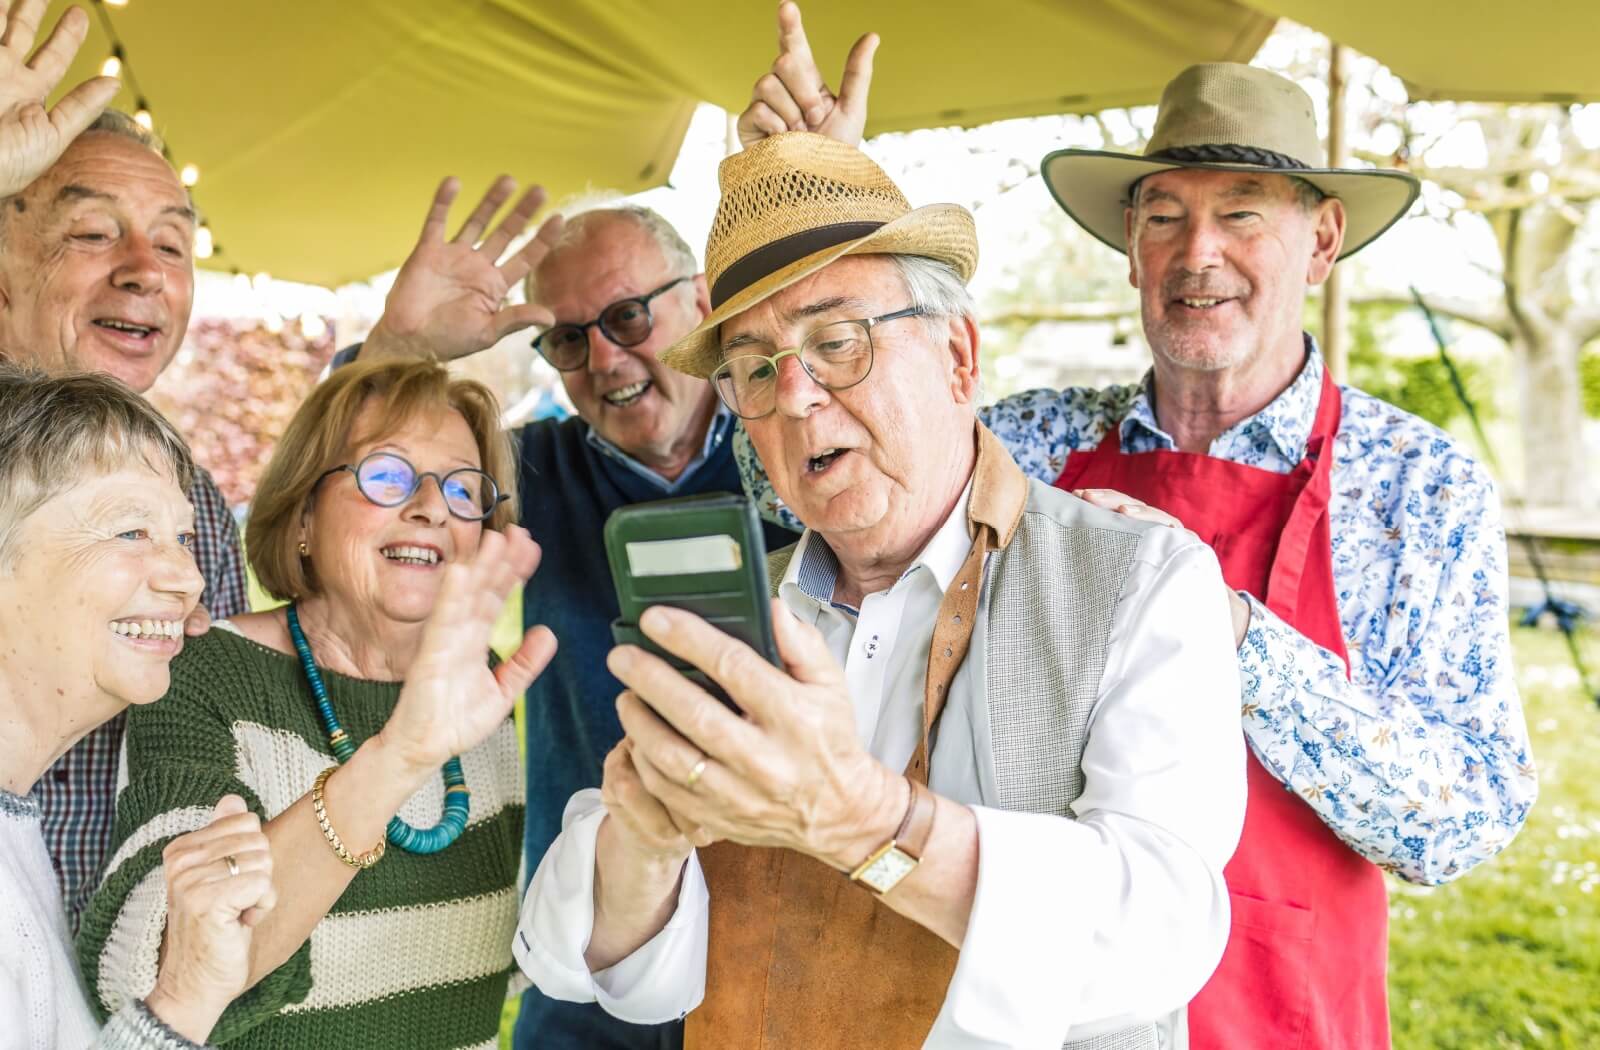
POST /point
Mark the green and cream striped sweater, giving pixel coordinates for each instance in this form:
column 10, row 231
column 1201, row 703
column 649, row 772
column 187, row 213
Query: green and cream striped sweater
column 416, row 953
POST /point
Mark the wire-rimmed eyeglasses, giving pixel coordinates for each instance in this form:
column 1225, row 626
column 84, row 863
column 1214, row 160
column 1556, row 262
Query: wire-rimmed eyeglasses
column 388, row 479
column 836, row 356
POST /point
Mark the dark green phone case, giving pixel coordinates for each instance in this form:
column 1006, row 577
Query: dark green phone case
column 700, row 553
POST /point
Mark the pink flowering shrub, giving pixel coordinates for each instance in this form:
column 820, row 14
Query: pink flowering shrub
column 232, row 389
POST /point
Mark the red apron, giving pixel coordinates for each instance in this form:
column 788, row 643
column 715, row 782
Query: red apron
column 1305, row 967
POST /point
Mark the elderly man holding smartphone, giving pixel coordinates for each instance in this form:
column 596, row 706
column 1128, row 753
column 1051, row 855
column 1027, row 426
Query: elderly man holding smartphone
column 987, row 797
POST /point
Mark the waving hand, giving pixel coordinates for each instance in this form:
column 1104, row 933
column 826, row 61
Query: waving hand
column 452, row 701
column 31, row 139
column 449, row 297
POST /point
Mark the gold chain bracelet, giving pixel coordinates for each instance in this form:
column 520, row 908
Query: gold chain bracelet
column 355, row 860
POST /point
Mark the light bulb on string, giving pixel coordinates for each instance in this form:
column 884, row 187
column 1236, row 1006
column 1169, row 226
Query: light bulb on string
column 145, row 120
column 112, row 66
column 116, row 3
column 204, row 245
column 190, row 175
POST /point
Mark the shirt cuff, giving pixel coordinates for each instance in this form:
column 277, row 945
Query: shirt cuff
column 1279, row 666
column 1125, row 923
column 661, row 981
column 1009, row 991
column 134, row 1027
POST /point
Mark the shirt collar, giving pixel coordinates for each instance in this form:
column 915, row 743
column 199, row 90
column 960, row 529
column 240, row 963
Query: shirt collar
column 814, row 569
column 1286, row 421
column 719, row 431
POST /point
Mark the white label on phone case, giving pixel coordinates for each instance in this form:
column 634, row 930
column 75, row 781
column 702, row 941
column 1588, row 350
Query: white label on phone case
column 681, row 557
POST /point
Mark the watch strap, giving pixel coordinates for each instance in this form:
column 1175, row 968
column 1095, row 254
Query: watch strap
column 917, row 827
column 910, row 839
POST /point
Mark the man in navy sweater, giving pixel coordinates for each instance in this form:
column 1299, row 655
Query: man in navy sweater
column 609, row 289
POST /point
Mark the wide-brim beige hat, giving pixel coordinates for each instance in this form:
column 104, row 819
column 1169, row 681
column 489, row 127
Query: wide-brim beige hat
column 793, row 203
column 1227, row 117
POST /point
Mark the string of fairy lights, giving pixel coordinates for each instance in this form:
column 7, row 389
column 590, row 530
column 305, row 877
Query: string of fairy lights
column 117, row 64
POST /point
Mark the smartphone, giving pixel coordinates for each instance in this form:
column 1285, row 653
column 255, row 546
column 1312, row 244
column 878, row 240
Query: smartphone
column 700, row 553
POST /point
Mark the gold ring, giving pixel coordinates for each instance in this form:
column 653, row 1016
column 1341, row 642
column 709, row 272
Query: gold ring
column 695, row 774
column 233, row 865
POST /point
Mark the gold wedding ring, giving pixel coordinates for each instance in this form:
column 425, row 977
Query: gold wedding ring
column 695, row 773
column 233, row 865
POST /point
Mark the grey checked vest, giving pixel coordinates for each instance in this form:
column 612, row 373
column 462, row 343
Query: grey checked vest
column 1048, row 603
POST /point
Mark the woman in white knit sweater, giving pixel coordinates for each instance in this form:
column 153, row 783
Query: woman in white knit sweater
column 96, row 581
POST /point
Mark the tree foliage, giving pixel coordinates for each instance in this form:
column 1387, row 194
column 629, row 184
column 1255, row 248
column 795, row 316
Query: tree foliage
column 1419, row 384
column 1589, row 378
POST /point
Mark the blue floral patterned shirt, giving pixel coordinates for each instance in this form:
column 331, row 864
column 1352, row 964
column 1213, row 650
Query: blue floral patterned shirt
column 1419, row 760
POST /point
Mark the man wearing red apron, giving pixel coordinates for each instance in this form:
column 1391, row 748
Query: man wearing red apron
column 1300, row 898
column 1227, row 220
column 1362, row 545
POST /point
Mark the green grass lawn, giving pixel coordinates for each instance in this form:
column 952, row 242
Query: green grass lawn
column 1508, row 956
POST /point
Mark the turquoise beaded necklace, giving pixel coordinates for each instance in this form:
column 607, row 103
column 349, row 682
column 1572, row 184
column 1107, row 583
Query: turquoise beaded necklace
column 457, row 799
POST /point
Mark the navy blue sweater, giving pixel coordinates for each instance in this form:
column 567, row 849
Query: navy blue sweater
column 568, row 488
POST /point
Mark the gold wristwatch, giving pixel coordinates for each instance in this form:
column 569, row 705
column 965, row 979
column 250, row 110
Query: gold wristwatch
column 897, row 858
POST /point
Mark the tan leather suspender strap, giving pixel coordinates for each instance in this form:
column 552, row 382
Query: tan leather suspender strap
column 952, row 636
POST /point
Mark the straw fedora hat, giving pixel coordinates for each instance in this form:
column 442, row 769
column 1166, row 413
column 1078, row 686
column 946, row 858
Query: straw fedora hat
column 793, row 203
column 1227, row 117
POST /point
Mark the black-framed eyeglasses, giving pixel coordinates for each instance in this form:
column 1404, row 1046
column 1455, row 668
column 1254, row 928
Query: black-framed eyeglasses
column 626, row 322
column 388, row 479
column 837, row 356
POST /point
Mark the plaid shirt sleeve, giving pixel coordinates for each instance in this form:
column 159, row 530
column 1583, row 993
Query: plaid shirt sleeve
column 216, row 550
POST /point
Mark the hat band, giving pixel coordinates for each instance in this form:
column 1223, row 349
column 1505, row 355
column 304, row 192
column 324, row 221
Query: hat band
column 1229, row 153
column 775, row 255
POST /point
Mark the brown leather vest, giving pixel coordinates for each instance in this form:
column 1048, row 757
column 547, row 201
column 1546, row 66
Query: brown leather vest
column 799, row 956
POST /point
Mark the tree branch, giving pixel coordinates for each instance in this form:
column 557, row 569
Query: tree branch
column 1462, row 310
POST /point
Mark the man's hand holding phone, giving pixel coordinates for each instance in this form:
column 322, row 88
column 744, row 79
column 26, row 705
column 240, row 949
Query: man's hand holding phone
column 791, row 772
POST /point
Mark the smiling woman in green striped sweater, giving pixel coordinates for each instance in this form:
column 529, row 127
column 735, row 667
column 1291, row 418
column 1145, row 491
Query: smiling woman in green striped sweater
column 380, row 519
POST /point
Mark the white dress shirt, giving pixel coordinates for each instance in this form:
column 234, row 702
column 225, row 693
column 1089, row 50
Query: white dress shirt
column 1077, row 927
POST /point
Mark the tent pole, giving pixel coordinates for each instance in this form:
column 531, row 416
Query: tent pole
column 1335, row 307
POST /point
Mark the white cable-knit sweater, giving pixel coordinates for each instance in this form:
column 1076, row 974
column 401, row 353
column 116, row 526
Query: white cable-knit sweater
column 42, row 1002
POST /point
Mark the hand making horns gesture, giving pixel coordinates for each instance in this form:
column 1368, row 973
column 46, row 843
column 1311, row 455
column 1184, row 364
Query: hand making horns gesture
column 793, row 97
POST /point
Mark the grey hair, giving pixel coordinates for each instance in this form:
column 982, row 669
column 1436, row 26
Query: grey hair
column 675, row 251
column 940, row 293
column 935, row 287
column 116, row 122
column 57, row 430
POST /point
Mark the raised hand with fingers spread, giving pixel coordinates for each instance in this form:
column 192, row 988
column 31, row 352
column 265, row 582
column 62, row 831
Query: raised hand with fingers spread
column 448, row 300
column 794, row 97
column 31, row 138
column 452, row 700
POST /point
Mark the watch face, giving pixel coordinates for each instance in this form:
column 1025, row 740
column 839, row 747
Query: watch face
column 888, row 870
